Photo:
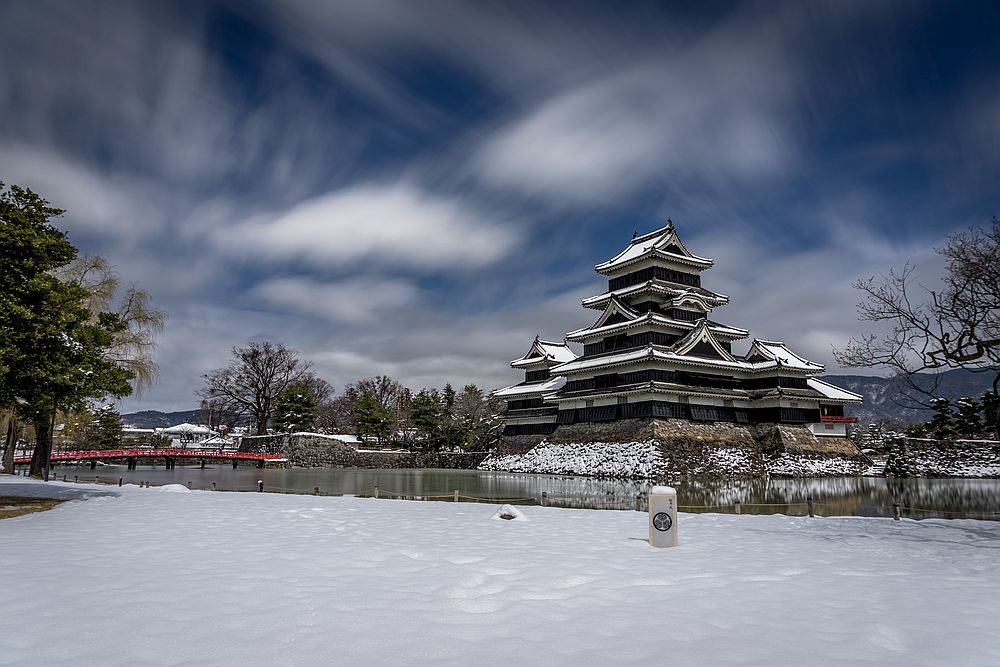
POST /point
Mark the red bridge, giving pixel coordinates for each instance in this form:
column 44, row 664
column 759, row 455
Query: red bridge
column 133, row 455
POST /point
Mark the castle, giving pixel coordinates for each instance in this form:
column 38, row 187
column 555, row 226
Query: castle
column 655, row 353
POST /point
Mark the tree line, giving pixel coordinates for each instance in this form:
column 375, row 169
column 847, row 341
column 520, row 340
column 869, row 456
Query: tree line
column 269, row 388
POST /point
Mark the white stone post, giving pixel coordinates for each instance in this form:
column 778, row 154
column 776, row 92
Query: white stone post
column 662, row 516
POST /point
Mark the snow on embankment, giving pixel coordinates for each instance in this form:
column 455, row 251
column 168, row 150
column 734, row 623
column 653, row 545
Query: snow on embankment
column 922, row 457
column 597, row 459
column 640, row 460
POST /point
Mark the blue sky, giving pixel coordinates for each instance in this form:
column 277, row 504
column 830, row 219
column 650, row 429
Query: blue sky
column 419, row 188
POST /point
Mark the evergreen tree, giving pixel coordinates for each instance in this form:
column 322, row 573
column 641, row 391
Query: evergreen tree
column 427, row 416
column 942, row 424
column 296, row 409
column 967, row 421
column 371, row 418
column 990, row 403
column 105, row 429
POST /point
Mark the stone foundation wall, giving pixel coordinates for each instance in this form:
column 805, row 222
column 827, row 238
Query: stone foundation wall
column 919, row 457
column 684, row 447
column 316, row 451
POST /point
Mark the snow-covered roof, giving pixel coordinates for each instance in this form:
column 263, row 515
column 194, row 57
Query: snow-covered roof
column 187, row 428
column 218, row 440
column 547, row 386
column 657, row 286
column 663, row 242
column 680, row 352
column 543, row 350
column 833, row 392
column 701, row 333
column 777, row 352
column 717, row 329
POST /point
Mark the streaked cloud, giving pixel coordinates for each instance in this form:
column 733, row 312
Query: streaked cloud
column 389, row 226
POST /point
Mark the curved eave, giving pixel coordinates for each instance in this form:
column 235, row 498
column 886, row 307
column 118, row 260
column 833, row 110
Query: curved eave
column 652, row 387
column 655, row 286
column 832, row 393
column 532, row 388
column 722, row 331
column 652, row 353
column 700, row 263
column 524, row 363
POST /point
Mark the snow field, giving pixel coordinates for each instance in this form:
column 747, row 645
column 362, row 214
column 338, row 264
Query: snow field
column 144, row 577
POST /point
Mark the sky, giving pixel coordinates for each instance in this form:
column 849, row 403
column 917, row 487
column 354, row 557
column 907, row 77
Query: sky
column 419, row 188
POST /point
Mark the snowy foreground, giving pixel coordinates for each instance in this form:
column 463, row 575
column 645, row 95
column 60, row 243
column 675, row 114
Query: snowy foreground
column 149, row 577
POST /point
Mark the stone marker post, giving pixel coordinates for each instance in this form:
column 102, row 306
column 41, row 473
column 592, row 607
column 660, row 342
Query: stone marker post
column 662, row 516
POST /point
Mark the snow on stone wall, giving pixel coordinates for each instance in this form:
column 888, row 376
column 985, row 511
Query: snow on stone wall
column 597, row 459
column 922, row 457
column 787, row 464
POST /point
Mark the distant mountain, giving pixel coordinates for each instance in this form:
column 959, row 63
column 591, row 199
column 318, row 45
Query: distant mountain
column 880, row 392
column 157, row 419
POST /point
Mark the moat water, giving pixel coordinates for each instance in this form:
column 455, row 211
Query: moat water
column 832, row 496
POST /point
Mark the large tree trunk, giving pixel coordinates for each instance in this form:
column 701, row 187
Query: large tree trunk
column 43, row 449
column 9, row 444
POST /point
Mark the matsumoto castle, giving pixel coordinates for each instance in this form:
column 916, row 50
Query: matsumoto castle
column 655, row 352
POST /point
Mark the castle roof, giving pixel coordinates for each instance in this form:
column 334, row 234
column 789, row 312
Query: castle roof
column 530, row 388
column 658, row 286
column 834, row 393
column 663, row 243
column 778, row 353
column 545, row 351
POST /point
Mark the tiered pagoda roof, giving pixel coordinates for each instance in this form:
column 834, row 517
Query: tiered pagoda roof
column 654, row 351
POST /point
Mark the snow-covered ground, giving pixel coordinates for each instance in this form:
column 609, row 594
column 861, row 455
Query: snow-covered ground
column 144, row 576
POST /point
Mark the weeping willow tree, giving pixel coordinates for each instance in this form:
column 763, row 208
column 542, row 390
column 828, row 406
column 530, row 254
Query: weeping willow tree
column 134, row 344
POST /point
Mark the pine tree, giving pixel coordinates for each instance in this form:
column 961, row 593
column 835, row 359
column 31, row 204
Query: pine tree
column 427, row 416
column 296, row 409
column 371, row 418
column 942, row 424
column 105, row 429
column 968, row 423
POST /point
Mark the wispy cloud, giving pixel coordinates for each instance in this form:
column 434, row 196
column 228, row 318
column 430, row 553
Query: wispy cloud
column 388, row 226
column 354, row 301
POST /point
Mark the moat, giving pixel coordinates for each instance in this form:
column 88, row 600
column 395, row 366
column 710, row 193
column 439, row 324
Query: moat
column 833, row 496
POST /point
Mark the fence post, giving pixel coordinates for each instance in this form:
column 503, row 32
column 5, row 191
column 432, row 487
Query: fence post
column 638, row 502
column 545, row 498
column 376, row 490
column 454, row 495
column 739, row 507
column 895, row 511
column 260, row 486
column 809, row 501
column 119, row 481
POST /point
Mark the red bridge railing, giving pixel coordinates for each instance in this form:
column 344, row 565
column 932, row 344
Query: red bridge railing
column 214, row 454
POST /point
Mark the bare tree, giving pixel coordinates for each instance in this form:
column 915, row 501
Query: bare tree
column 251, row 383
column 957, row 326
